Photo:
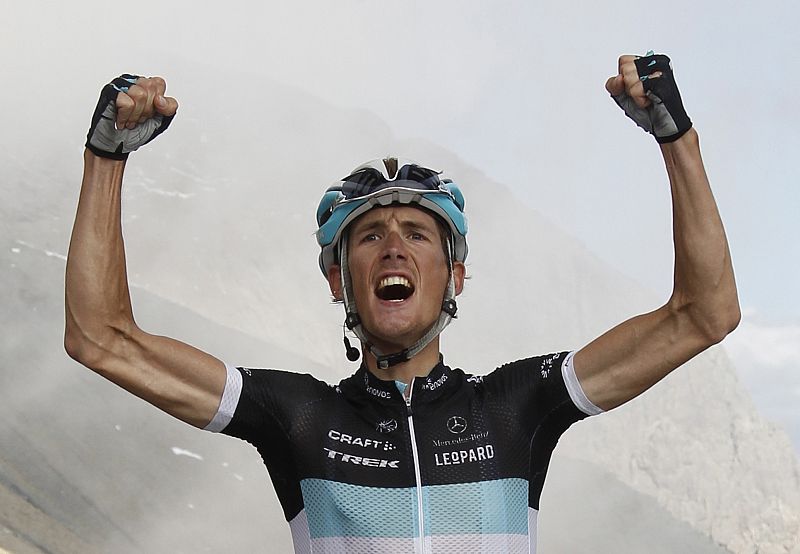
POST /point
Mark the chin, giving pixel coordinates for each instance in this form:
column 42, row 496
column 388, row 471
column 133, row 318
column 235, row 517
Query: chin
column 387, row 341
column 395, row 337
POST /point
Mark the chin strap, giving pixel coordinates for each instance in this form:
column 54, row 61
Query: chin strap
column 353, row 320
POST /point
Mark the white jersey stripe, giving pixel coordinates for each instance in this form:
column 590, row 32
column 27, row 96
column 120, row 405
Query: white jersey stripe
column 228, row 402
column 300, row 533
column 574, row 388
column 533, row 529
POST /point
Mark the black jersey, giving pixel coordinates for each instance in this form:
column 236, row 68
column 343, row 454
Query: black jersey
column 457, row 464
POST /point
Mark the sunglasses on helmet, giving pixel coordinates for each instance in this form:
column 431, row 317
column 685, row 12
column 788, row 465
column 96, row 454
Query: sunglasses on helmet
column 370, row 179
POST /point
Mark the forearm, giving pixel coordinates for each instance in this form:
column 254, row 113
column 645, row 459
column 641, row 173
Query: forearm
column 630, row 358
column 100, row 331
column 704, row 285
column 97, row 298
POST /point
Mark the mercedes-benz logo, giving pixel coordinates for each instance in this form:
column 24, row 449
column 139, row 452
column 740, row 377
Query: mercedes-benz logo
column 456, row 424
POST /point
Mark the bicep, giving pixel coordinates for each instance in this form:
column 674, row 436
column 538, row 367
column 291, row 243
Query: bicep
column 636, row 354
column 177, row 378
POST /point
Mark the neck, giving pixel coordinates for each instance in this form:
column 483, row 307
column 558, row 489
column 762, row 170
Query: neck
column 418, row 366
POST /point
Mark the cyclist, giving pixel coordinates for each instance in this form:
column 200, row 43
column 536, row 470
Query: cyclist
column 407, row 454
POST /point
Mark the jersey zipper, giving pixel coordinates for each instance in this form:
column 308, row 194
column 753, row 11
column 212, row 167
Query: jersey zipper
column 417, row 475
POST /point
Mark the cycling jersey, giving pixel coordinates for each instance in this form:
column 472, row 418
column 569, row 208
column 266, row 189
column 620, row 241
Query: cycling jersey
column 457, row 464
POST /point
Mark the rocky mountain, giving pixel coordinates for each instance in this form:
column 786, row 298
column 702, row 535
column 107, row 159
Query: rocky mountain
column 218, row 217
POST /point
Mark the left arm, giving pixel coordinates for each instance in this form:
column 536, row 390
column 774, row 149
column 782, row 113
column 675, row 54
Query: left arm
column 703, row 308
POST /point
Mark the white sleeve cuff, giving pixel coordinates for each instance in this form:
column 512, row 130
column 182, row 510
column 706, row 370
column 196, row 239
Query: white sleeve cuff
column 228, row 402
column 574, row 388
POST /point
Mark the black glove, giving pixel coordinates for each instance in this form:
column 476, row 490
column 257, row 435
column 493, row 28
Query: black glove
column 104, row 139
column 665, row 117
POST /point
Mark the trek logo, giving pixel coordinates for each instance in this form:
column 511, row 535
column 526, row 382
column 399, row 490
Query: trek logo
column 457, row 457
column 456, row 425
column 360, row 460
column 344, row 438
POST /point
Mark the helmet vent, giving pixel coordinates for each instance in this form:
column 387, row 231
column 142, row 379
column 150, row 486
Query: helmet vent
column 391, row 167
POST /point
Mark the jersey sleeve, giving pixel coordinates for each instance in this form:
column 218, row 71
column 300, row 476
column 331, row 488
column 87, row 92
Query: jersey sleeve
column 263, row 407
column 546, row 397
column 260, row 402
column 544, row 391
column 574, row 388
column 228, row 402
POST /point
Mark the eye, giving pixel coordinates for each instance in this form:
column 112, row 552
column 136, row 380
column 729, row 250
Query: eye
column 416, row 235
column 369, row 237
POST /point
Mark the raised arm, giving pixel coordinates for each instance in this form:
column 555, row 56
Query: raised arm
column 703, row 307
column 100, row 330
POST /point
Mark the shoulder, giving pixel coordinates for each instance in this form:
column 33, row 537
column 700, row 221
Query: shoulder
column 282, row 385
column 279, row 376
column 255, row 397
column 546, row 380
column 529, row 371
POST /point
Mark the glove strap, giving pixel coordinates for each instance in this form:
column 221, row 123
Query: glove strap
column 665, row 118
column 667, row 114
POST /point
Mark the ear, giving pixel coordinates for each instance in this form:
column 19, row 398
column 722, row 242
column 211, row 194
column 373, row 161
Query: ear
column 459, row 274
column 335, row 282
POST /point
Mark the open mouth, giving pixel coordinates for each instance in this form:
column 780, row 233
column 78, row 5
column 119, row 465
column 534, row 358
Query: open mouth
column 394, row 289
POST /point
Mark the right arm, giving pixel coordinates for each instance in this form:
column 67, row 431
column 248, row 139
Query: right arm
column 100, row 330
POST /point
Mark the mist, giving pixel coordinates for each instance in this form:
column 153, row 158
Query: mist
column 570, row 234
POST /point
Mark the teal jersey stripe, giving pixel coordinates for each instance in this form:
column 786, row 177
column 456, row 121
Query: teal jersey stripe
column 345, row 510
column 485, row 507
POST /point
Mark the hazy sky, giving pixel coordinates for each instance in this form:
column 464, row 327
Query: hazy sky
column 516, row 89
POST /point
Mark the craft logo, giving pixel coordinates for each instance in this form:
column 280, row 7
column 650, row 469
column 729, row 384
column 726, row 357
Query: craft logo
column 456, row 425
column 344, row 438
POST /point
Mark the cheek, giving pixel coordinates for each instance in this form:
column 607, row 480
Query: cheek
column 360, row 288
column 438, row 278
column 358, row 271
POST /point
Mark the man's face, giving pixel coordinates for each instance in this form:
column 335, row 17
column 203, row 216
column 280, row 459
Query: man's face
column 399, row 273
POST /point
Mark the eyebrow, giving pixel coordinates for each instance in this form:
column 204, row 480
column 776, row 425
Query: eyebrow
column 408, row 224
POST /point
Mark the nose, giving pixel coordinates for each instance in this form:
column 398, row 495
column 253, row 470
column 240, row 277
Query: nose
column 394, row 247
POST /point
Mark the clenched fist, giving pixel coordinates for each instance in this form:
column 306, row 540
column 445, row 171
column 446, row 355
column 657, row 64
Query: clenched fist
column 645, row 89
column 131, row 112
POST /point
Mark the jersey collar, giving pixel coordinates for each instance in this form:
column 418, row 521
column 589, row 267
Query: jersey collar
column 425, row 388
